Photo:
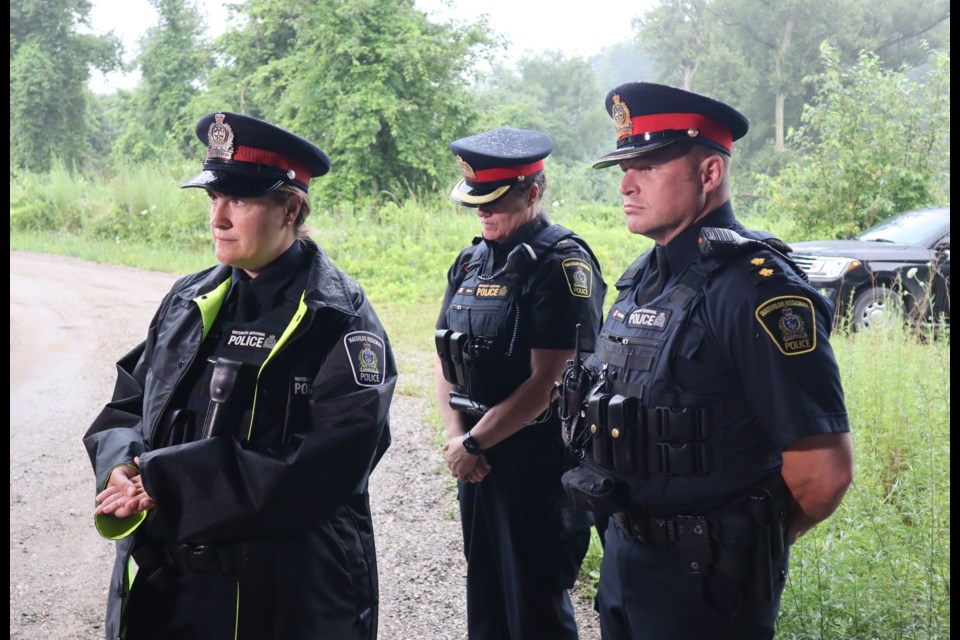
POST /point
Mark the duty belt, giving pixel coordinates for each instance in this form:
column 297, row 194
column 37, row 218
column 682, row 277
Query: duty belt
column 688, row 534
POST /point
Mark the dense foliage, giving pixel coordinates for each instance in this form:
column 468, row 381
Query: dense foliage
column 874, row 142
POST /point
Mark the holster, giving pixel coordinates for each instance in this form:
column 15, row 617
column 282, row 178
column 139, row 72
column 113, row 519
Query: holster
column 593, row 489
column 460, row 402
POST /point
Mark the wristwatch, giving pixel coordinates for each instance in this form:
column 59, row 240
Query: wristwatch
column 471, row 445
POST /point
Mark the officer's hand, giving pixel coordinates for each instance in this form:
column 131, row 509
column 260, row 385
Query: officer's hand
column 481, row 471
column 460, row 463
column 124, row 494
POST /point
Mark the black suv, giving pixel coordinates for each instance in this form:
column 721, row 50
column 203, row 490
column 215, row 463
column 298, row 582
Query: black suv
column 900, row 266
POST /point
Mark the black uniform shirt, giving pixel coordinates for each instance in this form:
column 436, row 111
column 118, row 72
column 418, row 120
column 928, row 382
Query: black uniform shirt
column 733, row 343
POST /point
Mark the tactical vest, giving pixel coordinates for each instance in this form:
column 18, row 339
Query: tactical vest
column 481, row 353
column 221, row 390
column 639, row 422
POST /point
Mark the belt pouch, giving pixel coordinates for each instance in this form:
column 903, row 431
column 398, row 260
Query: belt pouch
column 626, row 435
column 597, row 423
column 442, row 339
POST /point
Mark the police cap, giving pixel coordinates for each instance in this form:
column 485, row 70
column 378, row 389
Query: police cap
column 649, row 116
column 494, row 161
column 248, row 157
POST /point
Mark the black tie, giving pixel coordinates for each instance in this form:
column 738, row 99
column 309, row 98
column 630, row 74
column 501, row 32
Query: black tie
column 657, row 273
column 247, row 307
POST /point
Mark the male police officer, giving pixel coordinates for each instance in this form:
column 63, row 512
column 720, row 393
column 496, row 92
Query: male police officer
column 508, row 324
column 714, row 427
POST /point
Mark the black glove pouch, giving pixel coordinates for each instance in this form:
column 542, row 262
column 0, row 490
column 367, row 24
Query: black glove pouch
column 594, row 489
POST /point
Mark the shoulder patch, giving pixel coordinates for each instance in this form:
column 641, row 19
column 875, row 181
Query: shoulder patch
column 579, row 275
column 366, row 352
column 791, row 322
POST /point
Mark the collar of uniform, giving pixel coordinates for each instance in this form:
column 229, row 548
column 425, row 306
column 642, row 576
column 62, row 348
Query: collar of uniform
column 526, row 233
column 684, row 249
column 274, row 277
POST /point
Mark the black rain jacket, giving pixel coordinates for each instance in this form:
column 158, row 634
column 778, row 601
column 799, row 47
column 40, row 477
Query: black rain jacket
column 290, row 490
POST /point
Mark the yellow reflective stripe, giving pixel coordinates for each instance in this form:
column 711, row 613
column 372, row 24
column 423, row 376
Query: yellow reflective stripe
column 297, row 318
column 236, row 622
column 114, row 528
column 210, row 304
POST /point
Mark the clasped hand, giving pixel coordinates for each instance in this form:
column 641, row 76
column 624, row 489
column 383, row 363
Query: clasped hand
column 124, row 495
column 464, row 466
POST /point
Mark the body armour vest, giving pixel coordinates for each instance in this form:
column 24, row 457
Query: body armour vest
column 480, row 352
column 641, row 424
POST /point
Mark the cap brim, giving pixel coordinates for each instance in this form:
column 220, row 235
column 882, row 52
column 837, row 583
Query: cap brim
column 233, row 184
column 626, row 153
column 468, row 196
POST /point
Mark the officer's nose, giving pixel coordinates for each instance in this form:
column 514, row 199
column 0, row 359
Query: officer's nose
column 627, row 185
column 483, row 212
column 218, row 213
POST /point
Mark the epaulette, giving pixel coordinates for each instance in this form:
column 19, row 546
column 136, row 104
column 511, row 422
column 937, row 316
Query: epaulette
column 726, row 244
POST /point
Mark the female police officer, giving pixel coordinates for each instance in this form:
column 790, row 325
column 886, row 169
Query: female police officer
column 507, row 326
column 233, row 459
column 717, row 427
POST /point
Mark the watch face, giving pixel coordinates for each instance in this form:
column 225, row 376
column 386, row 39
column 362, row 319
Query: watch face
column 471, row 445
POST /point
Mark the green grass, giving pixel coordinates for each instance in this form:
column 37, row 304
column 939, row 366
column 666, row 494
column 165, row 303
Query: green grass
column 879, row 568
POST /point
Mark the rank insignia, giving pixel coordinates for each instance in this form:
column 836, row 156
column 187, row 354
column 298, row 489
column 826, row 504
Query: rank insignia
column 791, row 323
column 766, row 273
column 467, row 170
column 579, row 275
column 366, row 355
column 621, row 117
column 219, row 139
column 757, row 261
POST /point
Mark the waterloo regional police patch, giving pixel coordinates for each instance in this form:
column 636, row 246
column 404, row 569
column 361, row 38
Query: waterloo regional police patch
column 366, row 354
column 791, row 322
column 579, row 275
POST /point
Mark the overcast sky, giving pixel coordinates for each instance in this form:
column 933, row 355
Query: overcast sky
column 576, row 28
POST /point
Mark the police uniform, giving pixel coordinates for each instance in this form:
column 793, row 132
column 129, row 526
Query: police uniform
column 713, row 358
column 523, row 539
column 258, row 409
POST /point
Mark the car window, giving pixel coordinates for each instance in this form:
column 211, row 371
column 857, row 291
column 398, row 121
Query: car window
column 913, row 227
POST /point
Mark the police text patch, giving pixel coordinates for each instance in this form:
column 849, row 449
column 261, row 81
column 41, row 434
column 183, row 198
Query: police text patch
column 251, row 339
column 366, row 354
column 579, row 275
column 649, row 318
column 791, row 323
column 491, row 291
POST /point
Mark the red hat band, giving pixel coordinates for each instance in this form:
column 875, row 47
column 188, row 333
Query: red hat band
column 707, row 128
column 506, row 173
column 273, row 159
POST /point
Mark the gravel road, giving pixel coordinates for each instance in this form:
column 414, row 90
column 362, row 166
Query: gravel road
column 70, row 321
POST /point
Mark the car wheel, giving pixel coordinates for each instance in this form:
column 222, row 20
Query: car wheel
column 874, row 307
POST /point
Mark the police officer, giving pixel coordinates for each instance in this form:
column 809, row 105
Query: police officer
column 232, row 462
column 508, row 324
column 714, row 423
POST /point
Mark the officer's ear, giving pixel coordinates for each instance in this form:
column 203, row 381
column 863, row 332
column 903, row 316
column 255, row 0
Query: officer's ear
column 711, row 172
column 293, row 206
column 533, row 194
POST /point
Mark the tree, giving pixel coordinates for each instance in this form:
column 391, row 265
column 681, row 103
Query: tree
column 873, row 143
column 173, row 64
column 555, row 94
column 758, row 55
column 373, row 82
column 50, row 65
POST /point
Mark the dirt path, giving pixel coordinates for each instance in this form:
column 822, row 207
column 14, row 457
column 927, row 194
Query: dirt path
column 70, row 321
